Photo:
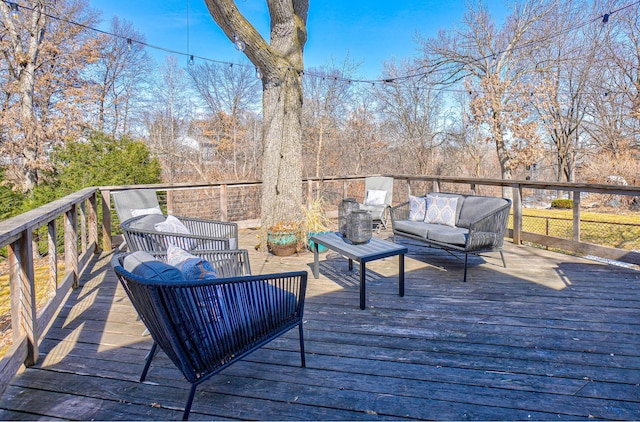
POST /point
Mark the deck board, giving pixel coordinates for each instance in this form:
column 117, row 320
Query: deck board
column 551, row 336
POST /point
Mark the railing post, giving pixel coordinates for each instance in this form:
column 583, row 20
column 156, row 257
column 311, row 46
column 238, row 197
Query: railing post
column 53, row 254
column 576, row 216
column 517, row 214
column 436, row 186
column 23, row 295
column 106, row 220
column 71, row 244
column 473, row 189
column 83, row 227
column 93, row 221
column 224, row 203
column 345, row 190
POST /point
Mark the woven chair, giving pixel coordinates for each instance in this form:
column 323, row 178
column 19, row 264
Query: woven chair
column 204, row 326
column 140, row 233
column 378, row 196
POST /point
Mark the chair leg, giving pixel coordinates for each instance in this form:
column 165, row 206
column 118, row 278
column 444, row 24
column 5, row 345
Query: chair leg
column 303, row 362
column 466, row 258
column 504, row 263
column 147, row 364
column 187, row 407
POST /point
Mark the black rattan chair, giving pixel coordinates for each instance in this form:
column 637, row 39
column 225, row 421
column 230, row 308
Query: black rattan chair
column 206, row 325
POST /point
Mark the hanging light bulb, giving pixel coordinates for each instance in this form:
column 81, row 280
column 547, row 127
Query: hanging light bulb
column 191, row 60
column 259, row 74
column 240, row 45
column 15, row 12
column 129, row 43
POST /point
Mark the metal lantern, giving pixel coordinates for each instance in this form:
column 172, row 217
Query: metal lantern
column 346, row 207
column 359, row 226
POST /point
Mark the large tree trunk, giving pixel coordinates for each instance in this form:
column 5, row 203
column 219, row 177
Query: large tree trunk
column 282, row 151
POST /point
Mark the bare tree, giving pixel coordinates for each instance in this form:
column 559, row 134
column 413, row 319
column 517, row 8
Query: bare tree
column 229, row 93
column 280, row 61
column 489, row 59
column 120, row 76
column 44, row 55
column 168, row 120
column 563, row 75
column 327, row 97
column 411, row 109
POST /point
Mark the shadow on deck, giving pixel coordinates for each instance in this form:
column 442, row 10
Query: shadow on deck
column 550, row 337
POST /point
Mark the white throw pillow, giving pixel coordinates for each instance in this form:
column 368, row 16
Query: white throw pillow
column 137, row 212
column 375, row 197
column 441, row 210
column 172, row 225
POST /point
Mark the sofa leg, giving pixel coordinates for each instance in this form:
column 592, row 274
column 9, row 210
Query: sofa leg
column 466, row 258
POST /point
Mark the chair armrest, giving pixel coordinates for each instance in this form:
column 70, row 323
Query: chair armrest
column 488, row 231
column 399, row 212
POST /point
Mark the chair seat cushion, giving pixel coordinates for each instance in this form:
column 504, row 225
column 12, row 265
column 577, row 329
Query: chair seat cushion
column 447, row 234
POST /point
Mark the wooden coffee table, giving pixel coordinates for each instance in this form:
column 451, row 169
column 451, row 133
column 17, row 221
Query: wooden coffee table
column 374, row 249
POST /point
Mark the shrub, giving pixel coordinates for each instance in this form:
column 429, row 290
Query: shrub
column 566, row 204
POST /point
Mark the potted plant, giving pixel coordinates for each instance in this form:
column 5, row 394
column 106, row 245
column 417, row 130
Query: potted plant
column 316, row 222
column 284, row 238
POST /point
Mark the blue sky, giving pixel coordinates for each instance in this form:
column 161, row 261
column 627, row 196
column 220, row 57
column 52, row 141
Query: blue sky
column 368, row 31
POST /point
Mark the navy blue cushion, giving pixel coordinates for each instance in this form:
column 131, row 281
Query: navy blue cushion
column 145, row 266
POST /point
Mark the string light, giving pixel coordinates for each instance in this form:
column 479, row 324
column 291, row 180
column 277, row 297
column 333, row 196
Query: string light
column 259, row 74
column 240, row 45
column 15, row 11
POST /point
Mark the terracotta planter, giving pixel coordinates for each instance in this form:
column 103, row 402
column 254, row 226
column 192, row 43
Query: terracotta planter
column 283, row 243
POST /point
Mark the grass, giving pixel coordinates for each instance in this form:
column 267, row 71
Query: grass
column 43, row 293
column 606, row 229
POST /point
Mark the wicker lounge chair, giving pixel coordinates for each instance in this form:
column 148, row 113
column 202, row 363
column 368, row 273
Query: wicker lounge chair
column 377, row 199
column 204, row 326
column 139, row 214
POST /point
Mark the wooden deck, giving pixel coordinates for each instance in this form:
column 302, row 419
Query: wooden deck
column 550, row 337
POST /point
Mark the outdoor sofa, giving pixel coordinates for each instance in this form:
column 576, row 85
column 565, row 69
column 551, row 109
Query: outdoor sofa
column 467, row 224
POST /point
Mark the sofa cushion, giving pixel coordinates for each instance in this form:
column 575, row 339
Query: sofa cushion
column 447, row 234
column 416, row 228
column 145, row 266
column 417, row 207
column 475, row 207
column 375, row 197
column 441, row 210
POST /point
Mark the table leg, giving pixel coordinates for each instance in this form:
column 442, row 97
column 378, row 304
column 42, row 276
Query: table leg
column 316, row 263
column 363, row 287
column 401, row 275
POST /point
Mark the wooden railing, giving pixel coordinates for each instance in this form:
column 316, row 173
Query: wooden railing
column 235, row 201
column 80, row 225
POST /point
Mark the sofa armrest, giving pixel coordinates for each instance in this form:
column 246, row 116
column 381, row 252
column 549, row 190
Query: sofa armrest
column 488, row 231
column 399, row 213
